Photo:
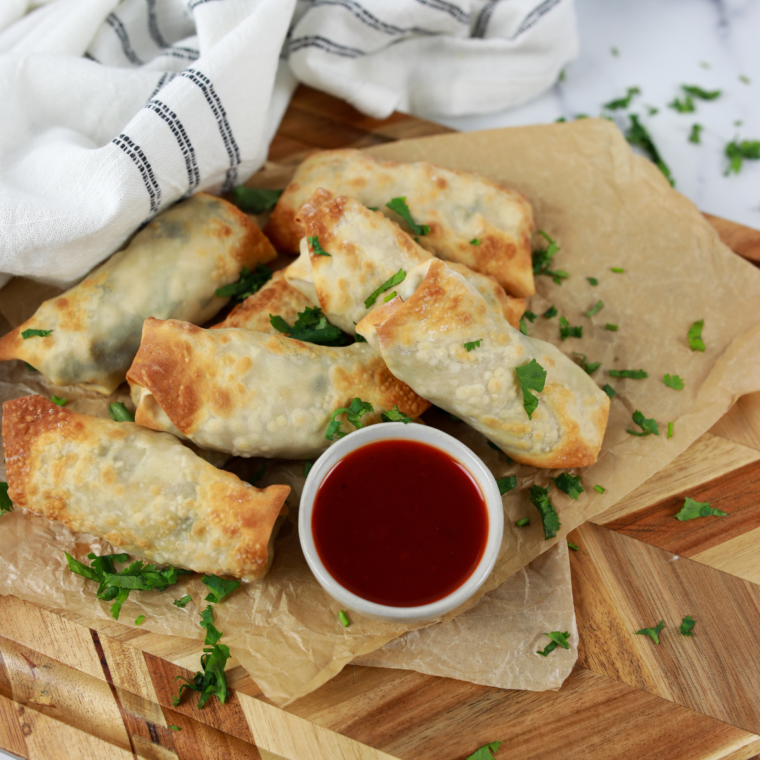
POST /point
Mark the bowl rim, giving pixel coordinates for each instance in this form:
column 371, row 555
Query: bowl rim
column 432, row 437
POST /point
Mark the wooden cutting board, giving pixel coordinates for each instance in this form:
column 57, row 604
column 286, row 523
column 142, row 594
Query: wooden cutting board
column 82, row 689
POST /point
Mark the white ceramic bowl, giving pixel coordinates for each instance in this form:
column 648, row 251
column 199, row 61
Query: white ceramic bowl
column 410, row 432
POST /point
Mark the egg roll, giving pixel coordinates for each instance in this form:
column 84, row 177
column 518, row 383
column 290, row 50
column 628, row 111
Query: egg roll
column 424, row 334
column 142, row 491
column 171, row 269
column 471, row 219
column 366, row 249
column 250, row 394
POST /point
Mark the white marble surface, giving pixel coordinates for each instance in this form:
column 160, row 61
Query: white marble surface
column 661, row 45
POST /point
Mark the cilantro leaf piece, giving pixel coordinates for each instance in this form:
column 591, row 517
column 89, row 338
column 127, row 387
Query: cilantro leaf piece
column 307, row 468
column 609, row 390
column 119, row 413
column 623, row 102
column 593, row 281
column 566, row 330
column 745, row 79
column 550, row 312
column 588, row 367
column 569, row 484
column 695, row 134
column 686, row 625
column 522, row 522
column 654, row 633
column 558, row 638
column 531, row 377
column 599, row 489
column 472, row 346
column 207, row 621
column 673, row 381
column 694, row 336
column 539, row 497
column 6, row 505
column 523, row 326
column 175, row 728
column 632, row 374
column 390, row 296
column 486, row 752
column 698, row 92
column 475, row 241
column 35, row 334
column 400, row 276
column 316, row 248
column 354, row 412
column 617, row 270
column 737, row 152
column 573, row 546
column 210, row 680
column 685, row 105
column 394, row 415
column 220, row 588
column 611, row 327
column 692, row 509
column 506, row 484
column 597, row 307
column 248, row 283
column 345, row 622
column 254, row 200
column 139, row 620
column 30, row 368
column 542, row 259
column 182, row 602
column 259, row 474
column 614, row 51
column 399, row 206
column 638, row 135
column 670, row 429
column 60, row 401
column 648, row 426
column 311, row 326
column 530, row 316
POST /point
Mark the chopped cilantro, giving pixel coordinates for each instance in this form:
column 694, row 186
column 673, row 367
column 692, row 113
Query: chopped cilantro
column 30, row 368
column 354, row 412
column 400, row 276
column 6, row 505
column 390, row 296
column 614, row 51
column 692, row 509
column 506, row 484
column 345, row 622
column 175, row 728
column 617, row 270
column 633, row 374
column 523, row 522
column 530, row 316
column 316, row 248
column 611, row 327
column 399, row 206
column 609, row 390
column 475, row 241
column 311, row 326
column 60, row 401
column 219, row 588
column 207, row 621
column 597, row 307
column 115, row 586
column 531, row 377
column 472, row 346
column 654, row 633
column 588, row 367
column 119, row 413
column 695, row 134
column 542, row 259
column 639, row 136
column 648, row 426
column 550, row 312
column 523, row 326
column 35, row 334
column 599, row 489
column 259, row 474
column 652, row 111
column 685, row 105
column 593, row 281
column 139, row 620
column 694, row 336
column 486, row 752
column 569, row 484
column 623, row 102
column 307, row 468
column 704, row 64
column 670, row 429
column 254, row 200
column 182, row 603
column 566, row 330
column 686, row 625
column 557, row 639
column 394, row 415
column 673, row 381
column 745, row 79
column 698, row 92
column 539, row 497
column 248, row 283
column 573, row 546
column 736, row 152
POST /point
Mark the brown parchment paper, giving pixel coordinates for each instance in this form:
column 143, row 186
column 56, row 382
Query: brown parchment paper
column 606, row 207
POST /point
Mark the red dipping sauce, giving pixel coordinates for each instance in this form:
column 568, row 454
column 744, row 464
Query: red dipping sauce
column 400, row 523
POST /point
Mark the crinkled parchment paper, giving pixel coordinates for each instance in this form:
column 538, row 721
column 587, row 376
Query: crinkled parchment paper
column 605, row 207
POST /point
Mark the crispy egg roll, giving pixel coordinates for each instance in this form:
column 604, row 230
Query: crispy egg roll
column 472, row 220
column 421, row 334
column 170, row 269
column 251, row 394
column 366, row 249
column 142, row 491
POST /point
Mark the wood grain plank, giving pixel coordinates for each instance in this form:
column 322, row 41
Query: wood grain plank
column 742, row 422
column 742, row 240
column 737, row 493
column 622, row 585
column 738, row 556
column 11, row 736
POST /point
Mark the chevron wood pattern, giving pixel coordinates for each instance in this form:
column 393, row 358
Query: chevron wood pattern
column 96, row 689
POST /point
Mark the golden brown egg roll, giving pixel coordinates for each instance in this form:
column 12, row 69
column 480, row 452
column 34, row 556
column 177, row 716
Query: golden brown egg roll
column 366, row 249
column 424, row 334
column 250, row 394
column 142, row 491
column 172, row 268
column 472, row 220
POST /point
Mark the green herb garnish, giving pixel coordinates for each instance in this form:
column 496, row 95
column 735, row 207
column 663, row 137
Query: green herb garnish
column 673, row 381
column 670, row 429
column 316, row 248
column 175, row 728
column 182, row 603
column 399, row 206
column 522, row 522
column 531, row 377
column 30, row 368
column 737, row 152
column 573, row 546
column 219, row 588
column 588, row 367
column 311, row 326
column 400, row 276
column 539, row 497
column 550, row 312
column 597, row 307
column 599, row 489
column 35, row 334
column 653, row 633
column 694, row 336
column 566, row 330
column 692, row 509
column 472, row 346
column 695, row 134
column 623, row 102
column 6, row 505
column 611, row 327
column 557, row 639
column 542, row 259
column 254, row 200
column 486, row 752
column 639, row 136
column 139, row 620
column 745, row 79
column 593, row 281
column 390, row 296
column 685, row 105
column 632, row 374
column 248, row 283
column 506, row 484
column 569, row 484
column 475, row 241
column 345, row 622
column 307, row 468
column 698, row 92
column 686, row 625
column 354, row 412
column 648, row 426
column 617, row 270
column 59, row 401
column 609, row 390
column 119, row 413
column 394, row 415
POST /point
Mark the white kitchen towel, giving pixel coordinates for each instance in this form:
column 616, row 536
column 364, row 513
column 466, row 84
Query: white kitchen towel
column 111, row 111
